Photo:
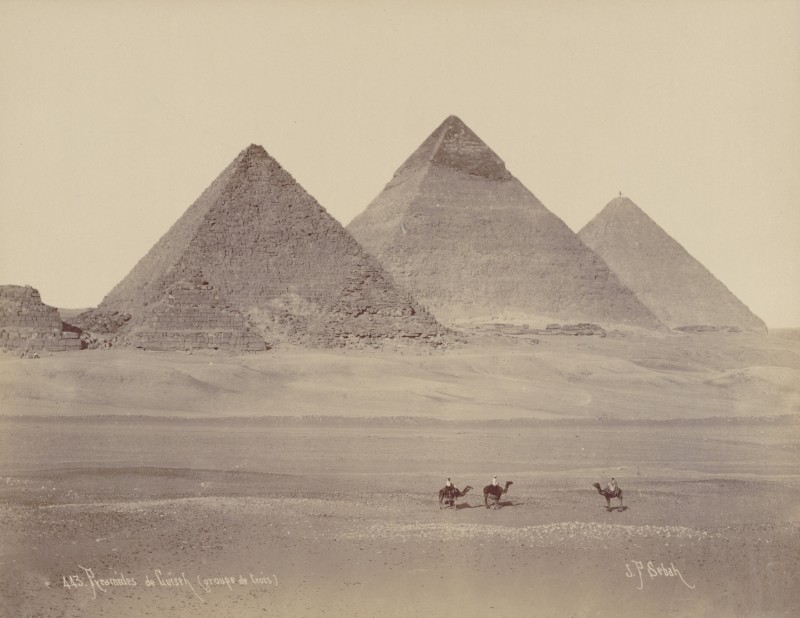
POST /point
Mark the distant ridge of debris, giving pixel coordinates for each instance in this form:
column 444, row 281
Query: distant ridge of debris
column 583, row 329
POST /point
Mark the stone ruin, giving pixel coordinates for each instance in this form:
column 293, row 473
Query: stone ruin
column 29, row 326
column 469, row 241
column 253, row 262
column 574, row 330
column 584, row 329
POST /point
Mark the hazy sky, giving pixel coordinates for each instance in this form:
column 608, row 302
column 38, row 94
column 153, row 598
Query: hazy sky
column 115, row 116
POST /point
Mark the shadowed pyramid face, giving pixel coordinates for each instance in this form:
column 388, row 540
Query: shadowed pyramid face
column 470, row 242
column 679, row 290
column 257, row 256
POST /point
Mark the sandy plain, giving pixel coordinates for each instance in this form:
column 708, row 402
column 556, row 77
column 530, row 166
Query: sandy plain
column 309, row 480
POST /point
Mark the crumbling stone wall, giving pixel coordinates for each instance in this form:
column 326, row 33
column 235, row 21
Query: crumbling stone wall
column 26, row 323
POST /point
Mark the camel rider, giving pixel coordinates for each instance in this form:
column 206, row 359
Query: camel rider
column 492, row 494
column 449, row 491
column 612, row 486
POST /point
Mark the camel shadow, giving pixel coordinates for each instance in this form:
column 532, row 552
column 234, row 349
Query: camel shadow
column 615, row 508
column 458, row 507
column 500, row 505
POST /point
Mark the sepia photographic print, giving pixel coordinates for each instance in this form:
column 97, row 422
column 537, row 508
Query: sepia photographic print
column 399, row 308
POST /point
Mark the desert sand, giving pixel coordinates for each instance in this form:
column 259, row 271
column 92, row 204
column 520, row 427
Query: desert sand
column 304, row 483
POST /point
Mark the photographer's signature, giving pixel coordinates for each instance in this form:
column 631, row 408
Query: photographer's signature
column 637, row 569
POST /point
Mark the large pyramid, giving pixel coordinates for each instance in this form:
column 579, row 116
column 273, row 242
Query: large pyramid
column 669, row 281
column 470, row 242
column 254, row 261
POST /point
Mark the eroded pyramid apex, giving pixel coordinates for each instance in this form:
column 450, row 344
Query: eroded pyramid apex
column 453, row 146
column 458, row 147
column 253, row 151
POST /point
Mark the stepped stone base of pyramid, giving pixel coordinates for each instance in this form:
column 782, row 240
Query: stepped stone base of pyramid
column 193, row 340
column 29, row 339
column 26, row 323
column 191, row 315
column 179, row 328
column 194, row 315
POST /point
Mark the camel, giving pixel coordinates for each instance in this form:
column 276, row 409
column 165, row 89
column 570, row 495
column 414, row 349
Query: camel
column 495, row 491
column 617, row 493
column 449, row 495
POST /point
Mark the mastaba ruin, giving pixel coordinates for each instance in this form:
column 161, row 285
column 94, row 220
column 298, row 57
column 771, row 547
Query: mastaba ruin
column 256, row 261
column 471, row 243
column 28, row 325
column 663, row 275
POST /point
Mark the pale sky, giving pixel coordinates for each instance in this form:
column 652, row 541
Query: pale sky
column 115, row 116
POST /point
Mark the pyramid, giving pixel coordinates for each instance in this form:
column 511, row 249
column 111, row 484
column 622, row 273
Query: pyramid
column 670, row 282
column 471, row 243
column 255, row 261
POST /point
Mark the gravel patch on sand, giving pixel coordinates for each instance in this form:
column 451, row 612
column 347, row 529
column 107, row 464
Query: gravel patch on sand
column 549, row 534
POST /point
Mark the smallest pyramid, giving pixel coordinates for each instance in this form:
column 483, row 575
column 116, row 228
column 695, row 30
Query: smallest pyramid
column 677, row 288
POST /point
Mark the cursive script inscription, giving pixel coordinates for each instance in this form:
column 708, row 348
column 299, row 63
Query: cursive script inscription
column 96, row 584
column 637, row 569
column 201, row 586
